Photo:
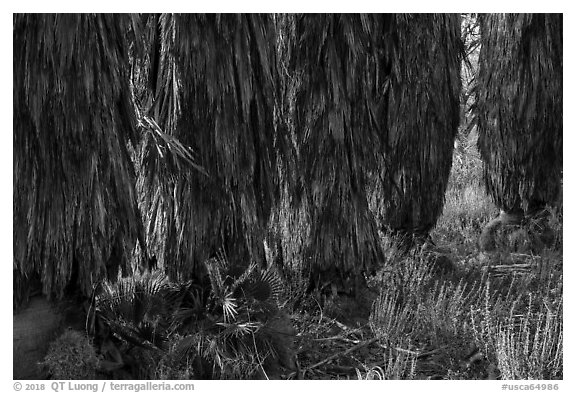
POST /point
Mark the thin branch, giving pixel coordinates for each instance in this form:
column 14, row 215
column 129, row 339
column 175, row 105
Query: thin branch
column 343, row 353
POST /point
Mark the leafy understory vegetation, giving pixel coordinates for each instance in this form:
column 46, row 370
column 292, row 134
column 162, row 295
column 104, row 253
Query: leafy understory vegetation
column 147, row 327
column 444, row 312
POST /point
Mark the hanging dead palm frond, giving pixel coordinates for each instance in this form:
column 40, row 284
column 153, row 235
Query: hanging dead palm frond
column 419, row 88
column 214, row 91
column 519, row 109
column 75, row 210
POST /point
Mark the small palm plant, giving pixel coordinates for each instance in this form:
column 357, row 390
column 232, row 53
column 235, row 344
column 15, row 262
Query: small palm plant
column 133, row 323
column 134, row 308
column 152, row 328
column 245, row 334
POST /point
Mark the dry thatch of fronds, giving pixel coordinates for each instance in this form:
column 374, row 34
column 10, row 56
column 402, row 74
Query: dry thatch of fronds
column 214, row 91
column 75, row 210
column 419, row 91
column 519, row 108
column 287, row 240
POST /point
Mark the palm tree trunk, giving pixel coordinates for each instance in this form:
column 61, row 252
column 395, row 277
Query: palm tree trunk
column 215, row 91
column 76, row 218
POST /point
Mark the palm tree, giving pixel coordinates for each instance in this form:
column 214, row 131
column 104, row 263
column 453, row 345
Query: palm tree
column 519, row 113
column 76, row 218
column 420, row 92
column 336, row 139
column 374, row 112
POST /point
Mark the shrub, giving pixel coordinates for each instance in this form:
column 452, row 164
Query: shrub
column 72, row 356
